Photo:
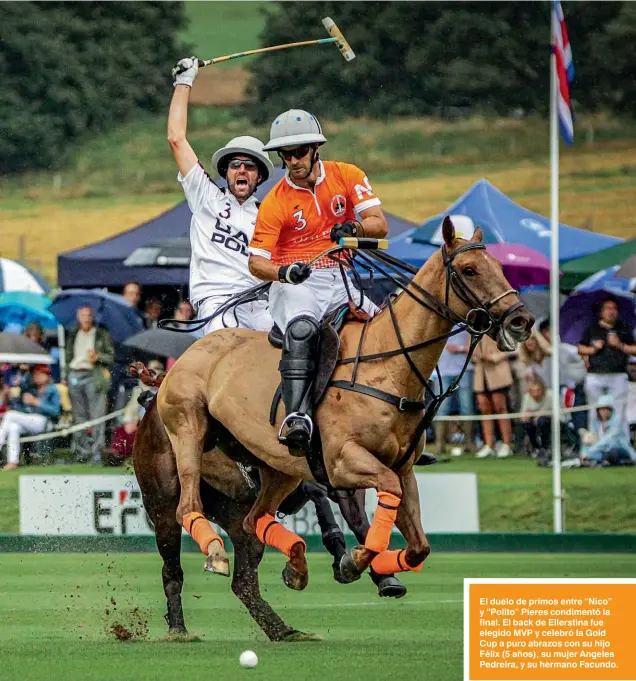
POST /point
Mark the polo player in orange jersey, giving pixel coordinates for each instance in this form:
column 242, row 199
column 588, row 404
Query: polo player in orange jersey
column 313, row 206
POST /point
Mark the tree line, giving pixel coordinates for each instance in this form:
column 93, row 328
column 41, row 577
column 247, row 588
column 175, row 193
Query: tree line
column 427, row 58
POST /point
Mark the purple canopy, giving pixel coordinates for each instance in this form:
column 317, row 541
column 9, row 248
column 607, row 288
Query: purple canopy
column 522, row 265
column 581, row 309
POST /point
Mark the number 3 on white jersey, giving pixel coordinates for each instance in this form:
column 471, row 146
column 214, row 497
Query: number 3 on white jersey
column 301, row 223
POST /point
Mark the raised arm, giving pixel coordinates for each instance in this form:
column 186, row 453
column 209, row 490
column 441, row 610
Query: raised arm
column 178, row 116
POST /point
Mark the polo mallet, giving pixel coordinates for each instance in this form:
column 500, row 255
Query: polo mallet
column 327, row 22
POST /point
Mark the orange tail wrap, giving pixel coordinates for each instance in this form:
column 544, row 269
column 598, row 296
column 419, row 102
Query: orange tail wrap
column 389, row 562
column 201, row 532
column 379, row 533
column 272, row 533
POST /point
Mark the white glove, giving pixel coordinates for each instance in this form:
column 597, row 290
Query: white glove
column 186, row 71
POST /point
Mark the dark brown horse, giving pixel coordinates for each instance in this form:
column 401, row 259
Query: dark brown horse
column 227, row 496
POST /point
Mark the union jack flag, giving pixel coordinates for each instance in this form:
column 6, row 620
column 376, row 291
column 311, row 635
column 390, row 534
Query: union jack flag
column 564, row 72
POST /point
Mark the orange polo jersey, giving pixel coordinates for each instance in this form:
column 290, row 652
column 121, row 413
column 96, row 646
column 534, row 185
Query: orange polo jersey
column 293, row 223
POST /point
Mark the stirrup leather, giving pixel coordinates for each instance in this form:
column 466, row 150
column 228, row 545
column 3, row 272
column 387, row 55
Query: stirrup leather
column 295, row 415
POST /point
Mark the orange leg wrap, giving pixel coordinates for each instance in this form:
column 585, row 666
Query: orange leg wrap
column 272, row 533
column 389, row 562
column 198, row 527
column 379, row 533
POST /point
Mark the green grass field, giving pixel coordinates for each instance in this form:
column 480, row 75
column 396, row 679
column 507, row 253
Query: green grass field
column 515, row 495
column 53, row 609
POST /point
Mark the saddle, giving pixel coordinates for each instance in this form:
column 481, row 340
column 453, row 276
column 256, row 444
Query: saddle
column 328, row 350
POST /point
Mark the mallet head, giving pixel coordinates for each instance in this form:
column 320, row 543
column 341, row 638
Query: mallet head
column 335, row 32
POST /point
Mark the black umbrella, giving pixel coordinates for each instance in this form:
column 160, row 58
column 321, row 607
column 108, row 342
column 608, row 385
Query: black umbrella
column 628, row 269
column 16, row 349
column 161, row 342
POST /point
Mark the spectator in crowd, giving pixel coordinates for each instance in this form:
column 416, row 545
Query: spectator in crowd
column 124, row 435
column 538, row 428
column 132, row 293
column 122, row 383
column 89, row 357
column 152, row 313
column 37, row 406
column 492, row 381
column 450, row 366
column 607, row 345
column 572, row 372
column 183, row 312
column 533, row 355
column 608, row 443
column 35, row 332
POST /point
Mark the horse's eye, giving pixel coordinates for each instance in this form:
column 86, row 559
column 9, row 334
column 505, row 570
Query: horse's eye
column 469, row 272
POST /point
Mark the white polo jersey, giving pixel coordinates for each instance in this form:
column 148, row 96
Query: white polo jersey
column 220, row 231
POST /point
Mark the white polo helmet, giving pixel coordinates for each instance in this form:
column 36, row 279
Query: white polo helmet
column 294, row 128
column 250, row 146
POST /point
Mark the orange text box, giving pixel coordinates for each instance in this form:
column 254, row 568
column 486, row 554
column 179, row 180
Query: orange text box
column 552, row 630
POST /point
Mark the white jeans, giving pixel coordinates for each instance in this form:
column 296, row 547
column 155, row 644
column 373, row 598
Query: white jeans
column 254, row 315
column 616, row 385
column 316, row 297
column 14, row 424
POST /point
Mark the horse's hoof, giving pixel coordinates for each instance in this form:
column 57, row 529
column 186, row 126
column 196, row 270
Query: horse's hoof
column 349, row 571
column 217, row 560
column 296, row 636
column 295, row 573
column 177, row 629
column 337, row 575
column 391, row 587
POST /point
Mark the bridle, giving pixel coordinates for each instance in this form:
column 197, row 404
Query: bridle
column 479, row 321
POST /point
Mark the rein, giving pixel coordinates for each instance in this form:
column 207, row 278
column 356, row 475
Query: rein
column 479, row 321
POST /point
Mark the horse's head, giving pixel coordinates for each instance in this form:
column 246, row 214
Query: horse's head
column 477, row 289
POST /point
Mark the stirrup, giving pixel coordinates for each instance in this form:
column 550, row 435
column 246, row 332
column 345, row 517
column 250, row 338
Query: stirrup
column 295, row 416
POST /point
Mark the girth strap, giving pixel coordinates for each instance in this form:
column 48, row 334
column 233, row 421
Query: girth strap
column 402, row 403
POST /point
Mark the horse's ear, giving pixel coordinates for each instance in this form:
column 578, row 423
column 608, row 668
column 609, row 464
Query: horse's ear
column 478, row 236
column 448, row 231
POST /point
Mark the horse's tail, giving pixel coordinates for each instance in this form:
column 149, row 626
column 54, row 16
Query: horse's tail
column 149, row 377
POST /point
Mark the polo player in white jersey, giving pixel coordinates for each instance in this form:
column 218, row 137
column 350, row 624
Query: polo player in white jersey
column 223, row 220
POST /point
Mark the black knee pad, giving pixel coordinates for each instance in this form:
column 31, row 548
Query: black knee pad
column 301, row 333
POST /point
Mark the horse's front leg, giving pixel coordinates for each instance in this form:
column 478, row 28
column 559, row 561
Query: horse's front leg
column 357, row 468
column 186, row 423
column 409, row 522
column 275, row 487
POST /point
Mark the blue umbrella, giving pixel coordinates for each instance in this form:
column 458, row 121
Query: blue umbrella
column 607, row 280
column 110, row 309
column 581, row 310
column 22, row 307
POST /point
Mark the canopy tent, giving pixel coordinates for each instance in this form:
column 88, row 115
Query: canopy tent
column 102, row 263
column 576, row 271
column 504, row 221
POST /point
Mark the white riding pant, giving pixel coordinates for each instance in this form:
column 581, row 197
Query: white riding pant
column 16, row 423
column 254, row 315
column 322, row 293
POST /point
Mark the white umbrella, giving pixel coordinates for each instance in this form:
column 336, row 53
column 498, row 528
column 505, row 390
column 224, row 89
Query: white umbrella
column 17, row 277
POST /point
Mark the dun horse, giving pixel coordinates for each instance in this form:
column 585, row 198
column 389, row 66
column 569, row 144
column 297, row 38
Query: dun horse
column 220, row 391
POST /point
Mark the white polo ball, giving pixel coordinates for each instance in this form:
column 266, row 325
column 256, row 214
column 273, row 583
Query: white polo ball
column 248, row 659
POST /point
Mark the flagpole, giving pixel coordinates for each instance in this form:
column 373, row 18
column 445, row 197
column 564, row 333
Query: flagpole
column 554, row 299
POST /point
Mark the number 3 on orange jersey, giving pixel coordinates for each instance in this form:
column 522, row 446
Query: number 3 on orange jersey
column 301, row 223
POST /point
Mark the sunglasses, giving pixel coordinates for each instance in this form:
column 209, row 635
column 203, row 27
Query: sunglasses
column 298, row 152
column 236, row 163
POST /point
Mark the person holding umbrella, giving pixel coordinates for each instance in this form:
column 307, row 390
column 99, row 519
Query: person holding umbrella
column 32, row 412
